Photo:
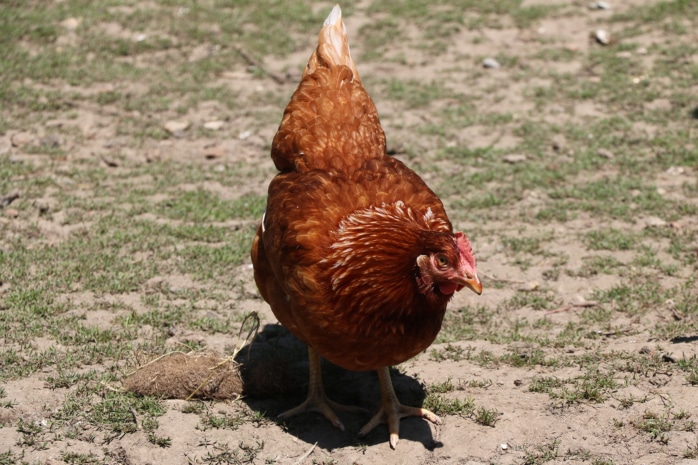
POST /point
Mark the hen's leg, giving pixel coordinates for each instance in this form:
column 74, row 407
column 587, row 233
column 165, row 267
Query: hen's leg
column 317, row 401
column 391, row 410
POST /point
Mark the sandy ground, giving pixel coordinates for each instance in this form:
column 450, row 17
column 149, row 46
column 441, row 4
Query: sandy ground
column 532, row 427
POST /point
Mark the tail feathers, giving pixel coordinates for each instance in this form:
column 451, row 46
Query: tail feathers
column 333, row 46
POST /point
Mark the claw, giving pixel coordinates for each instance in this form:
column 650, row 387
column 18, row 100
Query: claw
column 317, row 401
column 391, row 411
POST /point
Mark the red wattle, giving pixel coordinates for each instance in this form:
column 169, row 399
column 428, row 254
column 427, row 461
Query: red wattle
column 448, row 288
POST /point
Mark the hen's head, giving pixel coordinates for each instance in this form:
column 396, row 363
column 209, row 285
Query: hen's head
column 448, row 266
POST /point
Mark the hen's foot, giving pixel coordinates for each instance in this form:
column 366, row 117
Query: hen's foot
column 324, row 406
column 391, row 411
column 317, row 401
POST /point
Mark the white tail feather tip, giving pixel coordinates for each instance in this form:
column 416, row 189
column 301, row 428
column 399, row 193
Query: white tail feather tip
column 334, row 16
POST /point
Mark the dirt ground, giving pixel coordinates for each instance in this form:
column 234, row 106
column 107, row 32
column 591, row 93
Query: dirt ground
column 645, row 417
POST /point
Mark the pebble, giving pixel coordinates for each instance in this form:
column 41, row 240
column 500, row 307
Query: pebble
column 45, row 205
column 654, row 222
column 491, row 63
column 214, row 125
column 71, row 24
column 559, row 142
column 110, row 162
column 599, row 6
column 176, row 128
column 605, row 154
column 50, row 141
column 529, row 286
column 675, row 170
column 514, row 158
column 212, row 152
column 21, row 139
column 245, row 135
column 11, row 213
column 6, row 200
column 602, row 36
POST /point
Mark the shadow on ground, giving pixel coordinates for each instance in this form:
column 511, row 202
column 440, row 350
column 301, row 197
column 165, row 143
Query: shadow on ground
column 274, row 369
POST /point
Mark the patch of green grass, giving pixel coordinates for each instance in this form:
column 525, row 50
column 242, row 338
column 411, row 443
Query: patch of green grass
column 594, row 386
column 442, row 405
column 634, row 297
column 659, row 11
column 619, row 198
column 609, row 239
column 486, row 417
column 75, row 458
column 414, row 93
column 534, row 300
column 598, row 264
column 202, row 206
column 463, row 324
column 542, row 453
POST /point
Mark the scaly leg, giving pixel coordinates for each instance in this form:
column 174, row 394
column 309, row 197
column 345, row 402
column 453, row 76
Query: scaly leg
column 391, row 410
column 317, row 401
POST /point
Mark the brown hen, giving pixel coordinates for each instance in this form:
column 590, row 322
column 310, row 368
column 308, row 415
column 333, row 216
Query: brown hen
column 355, row 254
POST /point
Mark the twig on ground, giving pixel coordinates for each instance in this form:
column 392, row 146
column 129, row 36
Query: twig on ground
column 585, row 304
column 278, row 78
column 6, row 200
column 502, row 280
column 135, row 417
column 305, row 456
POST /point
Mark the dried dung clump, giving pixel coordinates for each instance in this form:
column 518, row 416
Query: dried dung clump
column 194, row 375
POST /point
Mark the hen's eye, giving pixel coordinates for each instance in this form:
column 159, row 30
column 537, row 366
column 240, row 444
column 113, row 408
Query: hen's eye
column 442, row 260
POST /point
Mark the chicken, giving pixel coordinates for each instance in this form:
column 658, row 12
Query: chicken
column 355, row 254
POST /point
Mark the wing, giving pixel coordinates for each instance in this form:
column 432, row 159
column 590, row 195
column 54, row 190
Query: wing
column 301, row 224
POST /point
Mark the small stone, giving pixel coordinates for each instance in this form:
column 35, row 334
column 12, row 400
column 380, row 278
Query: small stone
column 514, row 158
column 214, row 125
column 199, row 53
column 110, row 162
column 11, row 213
column 71, row 24
column 559, row 142
column 605, row 154
column 602, row 36
column 675, row 170
column 654, row 222
column 140, row 37
column 176, row 128
column 213, row 152
column 491, row 63
column 245, row 134
column 6, row 200
column 21, row 139
column 51, row 141
column 45, row 205
column 661, row 191
column 599, row 6
column 641, row 51
column 504, row 446
column 529, row 286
